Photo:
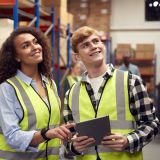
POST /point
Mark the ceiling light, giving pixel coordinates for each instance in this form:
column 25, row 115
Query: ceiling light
column 155, row 3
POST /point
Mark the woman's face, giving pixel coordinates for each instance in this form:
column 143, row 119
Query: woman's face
column 76, row 70
column 28, row 51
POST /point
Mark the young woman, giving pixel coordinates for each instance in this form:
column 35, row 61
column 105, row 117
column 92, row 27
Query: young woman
column 29, row 104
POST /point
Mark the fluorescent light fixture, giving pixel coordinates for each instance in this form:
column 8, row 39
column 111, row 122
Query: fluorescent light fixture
column 155, row 3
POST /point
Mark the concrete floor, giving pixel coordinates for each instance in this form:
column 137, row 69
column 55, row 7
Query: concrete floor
column 152, row 150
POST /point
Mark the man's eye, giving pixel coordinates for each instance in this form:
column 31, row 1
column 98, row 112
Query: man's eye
column 95, row 41
column 85, row 45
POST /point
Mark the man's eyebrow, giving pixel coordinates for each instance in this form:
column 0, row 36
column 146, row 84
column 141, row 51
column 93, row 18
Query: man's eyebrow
column 90, row 41
column 84, row 43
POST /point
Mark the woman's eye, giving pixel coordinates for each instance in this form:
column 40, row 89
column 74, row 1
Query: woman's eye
column 35, row 41
column 25, row 46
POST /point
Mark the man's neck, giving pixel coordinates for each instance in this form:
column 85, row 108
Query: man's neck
column 97, row 71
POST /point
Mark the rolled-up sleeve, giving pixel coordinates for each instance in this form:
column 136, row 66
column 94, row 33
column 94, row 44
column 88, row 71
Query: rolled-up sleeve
column 143, row 111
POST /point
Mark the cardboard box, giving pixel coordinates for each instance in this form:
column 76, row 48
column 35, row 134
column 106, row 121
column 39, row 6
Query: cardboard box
column 148, row 55
column 140, row 54
column 144, row 54
column 49, row 3
column 61, row 12
column 124, row 47
column 145, row 47
column 147, row 70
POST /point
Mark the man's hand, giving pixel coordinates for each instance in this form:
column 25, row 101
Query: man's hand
column 81, row 143
column 116, row 142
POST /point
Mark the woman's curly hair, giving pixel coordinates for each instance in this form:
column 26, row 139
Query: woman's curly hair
column 8, row 63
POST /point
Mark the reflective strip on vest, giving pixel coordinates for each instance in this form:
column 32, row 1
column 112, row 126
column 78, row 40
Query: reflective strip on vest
column 72, row 80
column 51, row 127
column 28, row 155
column 102, row 149
column 27, row 102
column 121, row 122
column 31, row 126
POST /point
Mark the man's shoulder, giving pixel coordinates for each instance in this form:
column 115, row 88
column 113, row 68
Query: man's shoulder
column 133, row 66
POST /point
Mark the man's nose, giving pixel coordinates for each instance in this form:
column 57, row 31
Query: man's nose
column 93, row 45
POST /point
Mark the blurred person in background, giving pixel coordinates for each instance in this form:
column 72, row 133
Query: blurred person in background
column 74, row 75
column 128, row 66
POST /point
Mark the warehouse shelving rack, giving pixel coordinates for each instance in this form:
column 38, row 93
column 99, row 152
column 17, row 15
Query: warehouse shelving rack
column 33, row 13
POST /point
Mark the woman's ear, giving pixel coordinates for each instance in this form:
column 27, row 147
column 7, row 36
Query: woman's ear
column 17, row 59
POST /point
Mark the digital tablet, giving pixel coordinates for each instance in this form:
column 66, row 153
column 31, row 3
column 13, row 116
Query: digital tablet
column 96, row 128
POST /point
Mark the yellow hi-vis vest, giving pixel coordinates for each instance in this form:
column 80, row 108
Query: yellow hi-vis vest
column 114, row 102
column 37, row 115
column 72, row 80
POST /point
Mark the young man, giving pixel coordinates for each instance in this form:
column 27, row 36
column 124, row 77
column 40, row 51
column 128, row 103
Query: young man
column 105, row 90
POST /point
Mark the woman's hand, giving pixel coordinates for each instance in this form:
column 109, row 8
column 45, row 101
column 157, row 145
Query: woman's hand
column 81, row 143
column 62, row 132
column 116, row 142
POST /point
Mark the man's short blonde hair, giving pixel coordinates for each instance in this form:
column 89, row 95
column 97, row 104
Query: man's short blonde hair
column 80, row 35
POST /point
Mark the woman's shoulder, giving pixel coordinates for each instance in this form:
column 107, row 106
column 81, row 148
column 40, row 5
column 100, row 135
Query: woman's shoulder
column 6, row 90
column 5, row 85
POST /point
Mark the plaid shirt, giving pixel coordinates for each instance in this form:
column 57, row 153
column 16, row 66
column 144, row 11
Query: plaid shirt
column 141, row 108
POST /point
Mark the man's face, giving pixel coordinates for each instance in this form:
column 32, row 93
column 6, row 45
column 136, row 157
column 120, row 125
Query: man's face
column 126, row 60
column 91, row 51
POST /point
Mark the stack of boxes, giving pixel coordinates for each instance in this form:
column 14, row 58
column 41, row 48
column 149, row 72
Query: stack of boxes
column 122, row 48
column 143, row 58
column 60, row 9
column 93, row 13
column 80, row 11
column 145, row 51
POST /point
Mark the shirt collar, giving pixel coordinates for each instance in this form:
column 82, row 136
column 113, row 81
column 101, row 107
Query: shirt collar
column 109, row 72
column 28, row 80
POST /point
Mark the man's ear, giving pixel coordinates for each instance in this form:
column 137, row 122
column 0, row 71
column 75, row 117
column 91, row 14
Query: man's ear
column 78, row 58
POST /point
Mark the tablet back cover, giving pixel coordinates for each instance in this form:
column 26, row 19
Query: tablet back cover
column 96, row 128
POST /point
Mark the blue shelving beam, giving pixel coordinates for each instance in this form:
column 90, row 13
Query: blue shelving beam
column 15, row 14
column 58, row 71
column 37, row 13
column 52, row 38
column 68, row 46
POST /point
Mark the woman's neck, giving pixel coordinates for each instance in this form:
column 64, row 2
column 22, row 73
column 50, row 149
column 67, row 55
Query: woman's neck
column 31, row 72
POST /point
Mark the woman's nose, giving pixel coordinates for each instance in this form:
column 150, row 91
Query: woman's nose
column 34, row 46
